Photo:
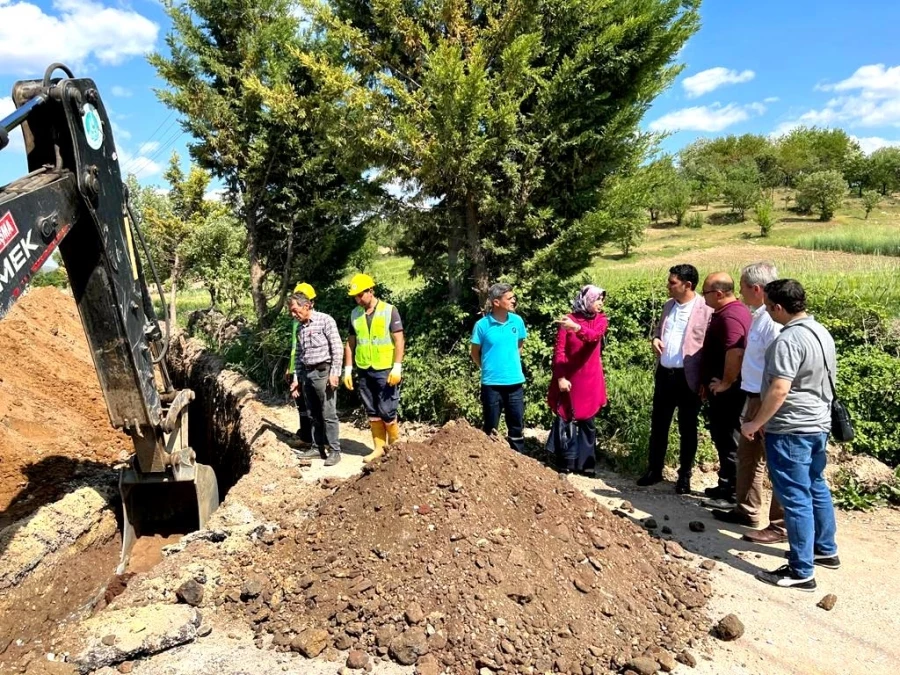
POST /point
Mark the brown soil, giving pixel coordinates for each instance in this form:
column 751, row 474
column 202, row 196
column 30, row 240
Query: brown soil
column 53, row 421
column 460, row 550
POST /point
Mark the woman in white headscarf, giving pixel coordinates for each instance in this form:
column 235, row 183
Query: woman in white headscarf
column 578, row 388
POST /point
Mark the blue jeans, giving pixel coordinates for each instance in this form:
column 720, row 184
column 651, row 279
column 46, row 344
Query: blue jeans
column 796, row 463
column 511, row 399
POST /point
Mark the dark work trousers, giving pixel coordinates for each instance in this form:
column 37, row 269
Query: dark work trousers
column 304, row 431
column 321, row 400
column 725, row 428
column 671, row 391
column 511, row 400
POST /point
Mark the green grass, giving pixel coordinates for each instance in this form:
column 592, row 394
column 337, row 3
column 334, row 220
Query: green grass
column 869, row 240
column 393, row 272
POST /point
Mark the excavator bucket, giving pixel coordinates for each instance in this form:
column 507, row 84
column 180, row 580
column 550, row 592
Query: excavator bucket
column 159, row 505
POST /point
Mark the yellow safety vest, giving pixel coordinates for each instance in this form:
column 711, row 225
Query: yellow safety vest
column 374, row 346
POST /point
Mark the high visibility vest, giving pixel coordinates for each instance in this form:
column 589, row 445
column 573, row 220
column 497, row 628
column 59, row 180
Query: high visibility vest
column 374, row 346
column 293, row 345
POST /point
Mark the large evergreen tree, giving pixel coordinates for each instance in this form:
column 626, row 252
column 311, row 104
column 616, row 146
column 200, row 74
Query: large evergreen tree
column 506, row 118
column 228, row 59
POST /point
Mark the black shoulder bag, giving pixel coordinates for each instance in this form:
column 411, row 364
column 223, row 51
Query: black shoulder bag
column 841, row 424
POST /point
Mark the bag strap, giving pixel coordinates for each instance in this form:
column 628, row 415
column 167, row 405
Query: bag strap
column 824, row 357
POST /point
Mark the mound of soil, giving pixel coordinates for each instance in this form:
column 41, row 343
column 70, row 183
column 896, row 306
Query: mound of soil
column 54, row 426
column 458, row 553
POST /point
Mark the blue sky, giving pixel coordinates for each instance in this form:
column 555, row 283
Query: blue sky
column 755, row 66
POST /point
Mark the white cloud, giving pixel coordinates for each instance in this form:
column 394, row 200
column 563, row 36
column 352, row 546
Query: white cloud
column 16, row 141
column 710, row 118
column 75, row 32
column 148, row 148
column 771, row 99
column 710, row 80
column 870, row 144
column 870, row 97
column 119, row 132
column 140, row 165
column 120, row 92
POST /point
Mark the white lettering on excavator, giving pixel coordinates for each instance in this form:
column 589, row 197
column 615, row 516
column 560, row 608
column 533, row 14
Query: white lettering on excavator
column 16, row 259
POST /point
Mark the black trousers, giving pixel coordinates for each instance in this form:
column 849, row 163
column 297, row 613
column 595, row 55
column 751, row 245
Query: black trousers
column 725, row 428
column 671, row 391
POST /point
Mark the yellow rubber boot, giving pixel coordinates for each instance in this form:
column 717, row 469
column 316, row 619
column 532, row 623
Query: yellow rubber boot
column 393, row 431
column 379, row 438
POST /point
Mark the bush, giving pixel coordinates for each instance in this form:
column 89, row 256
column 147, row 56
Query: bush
column 765, row 216
column 694, row 221
column 822, row 191
column 870, row 199
column 869, row 385
column 57, row 278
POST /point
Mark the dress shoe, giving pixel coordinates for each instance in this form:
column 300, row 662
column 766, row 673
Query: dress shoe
column 720, row 492
column 767, row 535
column 683, row 486
column 649, row 478
column 734, row 517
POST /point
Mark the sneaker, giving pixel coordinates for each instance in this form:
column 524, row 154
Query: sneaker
column 785, row 577
column 829, row 562
column 734, row 517
column 649, row 478
column 333, row 458
column 683, row 486
column 310, row 453
column 726, row 504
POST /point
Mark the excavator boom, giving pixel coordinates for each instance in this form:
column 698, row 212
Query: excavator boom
column 73, row 199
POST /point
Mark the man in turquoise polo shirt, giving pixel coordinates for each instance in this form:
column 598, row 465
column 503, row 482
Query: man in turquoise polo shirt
column 497, row 350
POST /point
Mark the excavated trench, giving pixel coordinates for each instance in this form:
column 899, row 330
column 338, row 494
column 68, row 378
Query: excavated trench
column 60, row 539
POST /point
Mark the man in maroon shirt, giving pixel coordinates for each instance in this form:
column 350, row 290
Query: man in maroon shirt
column 723, row 354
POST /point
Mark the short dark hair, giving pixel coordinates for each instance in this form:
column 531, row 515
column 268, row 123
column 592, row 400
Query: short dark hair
column 788, row 293
column 686, row 273
column 497, row 291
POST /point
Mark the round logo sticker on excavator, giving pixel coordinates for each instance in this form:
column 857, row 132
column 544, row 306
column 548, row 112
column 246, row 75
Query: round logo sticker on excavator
column 93, row 129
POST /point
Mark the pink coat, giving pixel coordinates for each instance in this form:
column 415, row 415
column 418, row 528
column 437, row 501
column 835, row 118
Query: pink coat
column 577, row 358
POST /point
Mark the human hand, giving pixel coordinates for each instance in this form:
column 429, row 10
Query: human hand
column 658, row 346
column 396, row 374
column 564, row 384
column 295, row 390
column 568, row 324
column 716, row 386
column 750, row 429
column 333, row 381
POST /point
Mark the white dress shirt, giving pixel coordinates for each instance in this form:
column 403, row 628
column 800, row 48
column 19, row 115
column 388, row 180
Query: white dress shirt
column 673, row 332
column 763, row 331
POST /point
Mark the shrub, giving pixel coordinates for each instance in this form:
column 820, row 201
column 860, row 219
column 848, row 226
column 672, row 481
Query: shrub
column 869, row 385
column 870, row 199
column 765, row 216
column 694, row 221
column 822, row 191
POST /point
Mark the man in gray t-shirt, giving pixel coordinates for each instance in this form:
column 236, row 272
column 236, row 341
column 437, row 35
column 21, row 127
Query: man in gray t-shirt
column 796, row 414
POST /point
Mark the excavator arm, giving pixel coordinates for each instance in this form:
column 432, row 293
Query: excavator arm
column 73, row 199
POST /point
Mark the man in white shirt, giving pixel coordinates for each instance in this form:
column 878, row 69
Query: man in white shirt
column 678, row 343
column 751, row 454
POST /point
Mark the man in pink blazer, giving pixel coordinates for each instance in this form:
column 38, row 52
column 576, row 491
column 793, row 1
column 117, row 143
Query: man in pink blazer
column 678, row 343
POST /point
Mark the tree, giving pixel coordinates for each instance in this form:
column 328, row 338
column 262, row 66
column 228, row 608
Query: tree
column 823, row 190
column 884, row 169
column 870, row 199
column 257, row 119
column 621, row 216
column 742, row 187
column 857, row 170
column 765, row 216
column 676, row 201
column 511, row 119
column 215, row 255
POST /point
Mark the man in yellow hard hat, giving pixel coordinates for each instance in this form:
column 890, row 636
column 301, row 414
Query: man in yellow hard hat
column 303, row 437
column 375, row 347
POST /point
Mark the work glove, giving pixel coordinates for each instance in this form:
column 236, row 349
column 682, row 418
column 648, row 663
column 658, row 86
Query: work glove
column 347, row 379
column 394, row 377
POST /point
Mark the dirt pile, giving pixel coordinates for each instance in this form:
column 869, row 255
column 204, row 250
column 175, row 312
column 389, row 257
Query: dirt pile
column 53, row 421
column 459, row 554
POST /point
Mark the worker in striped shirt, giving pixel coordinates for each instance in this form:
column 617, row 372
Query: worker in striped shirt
column 317, row 374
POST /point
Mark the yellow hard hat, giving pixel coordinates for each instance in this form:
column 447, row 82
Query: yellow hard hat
column 306, row 289
column 360, row 283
